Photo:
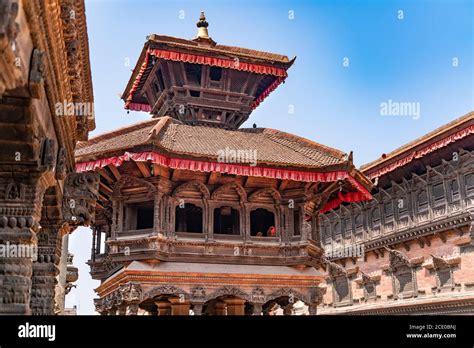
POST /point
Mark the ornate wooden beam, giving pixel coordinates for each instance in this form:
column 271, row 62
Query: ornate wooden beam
column 114, row 171
column 103, row 173
column 144, row 169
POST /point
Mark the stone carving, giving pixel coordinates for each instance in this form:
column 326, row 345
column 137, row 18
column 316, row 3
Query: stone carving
column 165, row 290
column 258, row 295
column 61, row 164
column 99, row 305
column 336, row 270
column 229, row 290
column 36, row 73
column 80, row 197
column 198, row 292
column 15, row 192
column 130, row 292
column 397, row 259
column 316, row 294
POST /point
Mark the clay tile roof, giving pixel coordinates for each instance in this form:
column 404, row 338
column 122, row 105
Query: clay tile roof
column 177, row 139
column 219, row 49
column 424, row 141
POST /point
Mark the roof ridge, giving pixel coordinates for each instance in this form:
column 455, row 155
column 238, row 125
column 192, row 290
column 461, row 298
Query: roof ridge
column 420, row 140
column 108, row 135
column 330, row 150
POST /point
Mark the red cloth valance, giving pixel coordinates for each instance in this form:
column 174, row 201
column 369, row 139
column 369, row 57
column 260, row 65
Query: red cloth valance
column 423, row 152
column 220, row 62
column 202, row 166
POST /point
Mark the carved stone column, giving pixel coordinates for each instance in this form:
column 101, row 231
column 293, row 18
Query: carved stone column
column 312, row 308
column 257, row 309
column 197, row 308
column 20, row 209
column 45, row 269
column 129, row 296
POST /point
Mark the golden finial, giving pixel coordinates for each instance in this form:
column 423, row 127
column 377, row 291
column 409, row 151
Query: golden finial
column 202, row 27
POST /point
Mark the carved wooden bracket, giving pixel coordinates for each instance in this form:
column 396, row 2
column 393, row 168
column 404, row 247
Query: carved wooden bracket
column 81, row 192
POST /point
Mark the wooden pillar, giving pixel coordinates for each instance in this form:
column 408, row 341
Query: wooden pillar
column 220, row 308
column 235, row 306
column 179, row 307
column 156, row 214
column 115, row 207
column 120, row 217
column 164, row 308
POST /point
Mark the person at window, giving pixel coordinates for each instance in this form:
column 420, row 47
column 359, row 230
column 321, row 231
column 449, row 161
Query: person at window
column 271, row 232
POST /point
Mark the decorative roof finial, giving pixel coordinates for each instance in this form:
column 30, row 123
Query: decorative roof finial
column 202, row 27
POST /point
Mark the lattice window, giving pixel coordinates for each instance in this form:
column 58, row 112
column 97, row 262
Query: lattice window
column 403, row 280
column 337, row 230
column 438, row 192
column 388, row 210
column 347, row 227
column 422, row 200
column 369, row 290
column 445, row 277
column 469, row 183
column 376, row 217
column 454, row 190
column 341, row 287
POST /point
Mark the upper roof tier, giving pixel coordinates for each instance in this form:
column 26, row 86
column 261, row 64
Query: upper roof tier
column 201, row 82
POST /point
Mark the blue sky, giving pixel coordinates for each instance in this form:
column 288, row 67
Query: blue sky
column 403, row 56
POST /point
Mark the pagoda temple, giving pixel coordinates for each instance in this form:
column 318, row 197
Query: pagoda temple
column 196, row 215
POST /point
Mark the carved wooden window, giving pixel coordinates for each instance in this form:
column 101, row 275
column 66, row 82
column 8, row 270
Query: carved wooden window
column 337, row 230
column 422, row 199
column 388, row 210
column 369, row 290
column 347, row 227
column 138, row 216
column 144, row 217
column 404, row 280
column 469, row 183
column 341, row 287
column 445, row 277
column 438, row 192
column 262, row 222
column 359, row 223
column 160, row 80
column 226, row 221
column 188, row 218
column 193, row 74
column 375, row 217
column 454, row 190
column 402, row 205
column 215, row 73
column 326, row 231
column 296, row 222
